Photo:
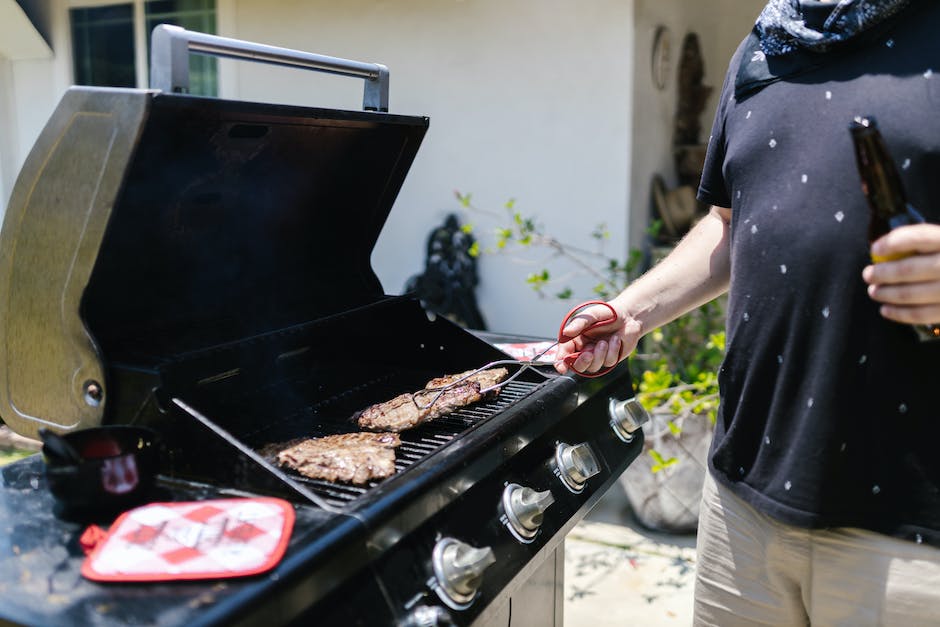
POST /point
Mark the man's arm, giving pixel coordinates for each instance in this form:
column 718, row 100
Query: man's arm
column 695, row 272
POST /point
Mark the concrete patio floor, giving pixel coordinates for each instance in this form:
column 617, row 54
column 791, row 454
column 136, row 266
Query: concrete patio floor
column 618, row 573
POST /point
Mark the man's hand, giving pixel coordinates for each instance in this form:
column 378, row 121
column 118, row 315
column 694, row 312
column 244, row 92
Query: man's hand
column 696, row 271
column 908, row 287
column 602, row 346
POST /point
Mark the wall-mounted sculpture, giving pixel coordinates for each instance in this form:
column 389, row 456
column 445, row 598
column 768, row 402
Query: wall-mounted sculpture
column 678, row 208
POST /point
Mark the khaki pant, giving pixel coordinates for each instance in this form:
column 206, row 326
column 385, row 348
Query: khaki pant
column 753, row 570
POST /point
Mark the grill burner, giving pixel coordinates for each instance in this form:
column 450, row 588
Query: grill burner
column 171, row 261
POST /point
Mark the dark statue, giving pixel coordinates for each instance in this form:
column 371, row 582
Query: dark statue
column 446, row 287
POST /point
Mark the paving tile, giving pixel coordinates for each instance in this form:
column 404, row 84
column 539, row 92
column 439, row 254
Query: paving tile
column 617, row 573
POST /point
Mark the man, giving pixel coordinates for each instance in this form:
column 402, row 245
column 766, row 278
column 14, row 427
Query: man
column 823, row 501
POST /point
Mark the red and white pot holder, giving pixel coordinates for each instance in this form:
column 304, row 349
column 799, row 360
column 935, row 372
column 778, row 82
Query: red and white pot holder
column 193, row 540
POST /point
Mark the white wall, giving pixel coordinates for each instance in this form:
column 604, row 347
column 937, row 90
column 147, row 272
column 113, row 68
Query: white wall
column 720, row 26
column 29, row 91
column 7, row 130
column 531, row 99
column 527, row 99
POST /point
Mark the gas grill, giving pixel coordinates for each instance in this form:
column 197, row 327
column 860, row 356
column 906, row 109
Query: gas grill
column 202, row 267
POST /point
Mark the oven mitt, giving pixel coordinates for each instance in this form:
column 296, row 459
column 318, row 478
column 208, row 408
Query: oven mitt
column 210, row 539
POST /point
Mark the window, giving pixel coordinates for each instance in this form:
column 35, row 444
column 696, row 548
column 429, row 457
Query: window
column 103, row 46
column 197, row 15
column 111, row 42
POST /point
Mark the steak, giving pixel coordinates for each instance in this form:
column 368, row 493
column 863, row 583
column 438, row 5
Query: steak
column 486, row 378
column 407, row 411
column 442, row 402
column 398, row 414
column 355, row 458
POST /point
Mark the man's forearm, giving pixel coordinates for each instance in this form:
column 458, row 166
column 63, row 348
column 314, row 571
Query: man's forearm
column 695, row 272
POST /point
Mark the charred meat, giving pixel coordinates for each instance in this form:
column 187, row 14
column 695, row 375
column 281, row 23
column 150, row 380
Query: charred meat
column 486, row 378
column 407, row 411
column 355, row 458
column 401, row 413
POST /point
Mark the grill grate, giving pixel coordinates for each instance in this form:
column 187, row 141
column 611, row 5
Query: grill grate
column 420, row 442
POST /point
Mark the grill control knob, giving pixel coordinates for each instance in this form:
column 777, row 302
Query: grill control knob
column 525, row 507
column 459, row 568
column 427, row 616
column 576, row 464
column 626, row 417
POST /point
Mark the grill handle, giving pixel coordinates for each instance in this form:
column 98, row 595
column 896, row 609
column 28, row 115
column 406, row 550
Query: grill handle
column 169, row 62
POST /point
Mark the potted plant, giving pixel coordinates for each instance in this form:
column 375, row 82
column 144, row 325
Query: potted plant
column 674, row 370
column 677, row 382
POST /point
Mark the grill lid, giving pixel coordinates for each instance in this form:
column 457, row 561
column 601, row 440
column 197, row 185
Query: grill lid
column 151, row 224
column 238, row 218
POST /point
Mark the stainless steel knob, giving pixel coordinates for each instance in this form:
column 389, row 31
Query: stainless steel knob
column 525, row 508
column 576, row 464
column 626, row 417
column 427, row 616
column 459, row 568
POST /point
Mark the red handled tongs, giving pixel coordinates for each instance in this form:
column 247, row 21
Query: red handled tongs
column 532, row 364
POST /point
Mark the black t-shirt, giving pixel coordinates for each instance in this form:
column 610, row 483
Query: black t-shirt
column 830, row 414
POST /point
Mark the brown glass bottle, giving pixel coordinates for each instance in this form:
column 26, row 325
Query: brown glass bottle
column 882, row 187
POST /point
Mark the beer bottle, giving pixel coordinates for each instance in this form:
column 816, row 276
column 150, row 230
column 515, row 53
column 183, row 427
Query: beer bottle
column 887, row 201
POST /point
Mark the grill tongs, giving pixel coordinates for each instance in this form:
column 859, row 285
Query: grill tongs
column 531, row 364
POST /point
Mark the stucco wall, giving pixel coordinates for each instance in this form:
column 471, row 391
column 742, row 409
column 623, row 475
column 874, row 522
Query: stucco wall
column 528, row 99
column 30, row 88
column 6, row 132
column 533, row 99
column 720, row 26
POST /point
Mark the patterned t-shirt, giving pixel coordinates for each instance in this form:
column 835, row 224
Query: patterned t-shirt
column 830, row 414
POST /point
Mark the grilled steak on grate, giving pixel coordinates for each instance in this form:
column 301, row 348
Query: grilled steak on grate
column 486, row 378
column 407, row 411
column 351, row 457
column 398, row 414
